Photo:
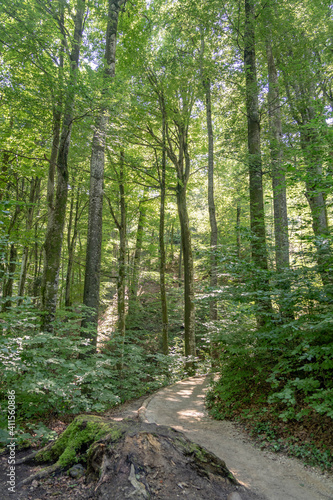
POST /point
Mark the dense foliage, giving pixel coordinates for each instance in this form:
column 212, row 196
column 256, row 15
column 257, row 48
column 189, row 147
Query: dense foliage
column 167, row 207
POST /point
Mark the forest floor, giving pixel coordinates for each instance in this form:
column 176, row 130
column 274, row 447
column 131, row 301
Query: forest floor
column 265, row 475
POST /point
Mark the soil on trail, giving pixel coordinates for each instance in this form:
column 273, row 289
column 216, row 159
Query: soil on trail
column 275, row 476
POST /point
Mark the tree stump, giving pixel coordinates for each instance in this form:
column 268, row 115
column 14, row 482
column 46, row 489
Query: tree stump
column 130, row 459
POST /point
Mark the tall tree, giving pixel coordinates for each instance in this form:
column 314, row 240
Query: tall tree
column 177, row 149
column 164, row 306
column 94, row 238
column 278, row 180
column 137, row 258
column 211, row 200
column 121, row 224
column 54, row 235
column 257, row 213
column 34, row 193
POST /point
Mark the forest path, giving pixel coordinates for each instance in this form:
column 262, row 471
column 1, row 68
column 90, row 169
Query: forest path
column 275, row 476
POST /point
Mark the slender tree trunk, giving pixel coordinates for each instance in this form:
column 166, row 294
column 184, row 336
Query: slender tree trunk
column 136, row 260
column 189, row 312
column 180, row 265
column 71, row 240
column 54, row 234
column 278, row 181
column 238, row 235
column 257, row 214
column 121, row 282
column 278, row 170
column 165, row 341
column 94, row 238
column 189, row 317
column 181, row 162
column 8, row 285
column 211, row 201
column 171, row 245
column 34, row 193
column 53, row 163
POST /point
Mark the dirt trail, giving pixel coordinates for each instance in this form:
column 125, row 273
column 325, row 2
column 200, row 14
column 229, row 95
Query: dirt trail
column 273, row 475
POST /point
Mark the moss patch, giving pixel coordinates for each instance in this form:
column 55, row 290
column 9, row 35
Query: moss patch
column 77, row 439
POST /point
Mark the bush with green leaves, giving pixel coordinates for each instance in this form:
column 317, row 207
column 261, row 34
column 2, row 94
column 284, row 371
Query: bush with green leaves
column 55, row 373
column 288, row 363
column 47, row 371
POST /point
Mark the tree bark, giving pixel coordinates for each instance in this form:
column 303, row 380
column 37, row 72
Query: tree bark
column 94, row 238
column 180, row 264
column 211, row 203
column 189, row 313
column 278, row 182
column 136, row 260
column 238, row 235
column 34, row 193
column 8, row 284
column 171, row 245
column 257, row 214
column 278, row 170
column 121, row 281
column 54, row 233
column 71, row 240
column 211, row 200
column 164, row 306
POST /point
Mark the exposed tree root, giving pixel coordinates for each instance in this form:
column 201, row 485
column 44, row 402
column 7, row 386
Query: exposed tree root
column 27, row 458
column 40, row 474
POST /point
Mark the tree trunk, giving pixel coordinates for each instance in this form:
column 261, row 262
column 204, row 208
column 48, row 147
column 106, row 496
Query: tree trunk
column 181, row 161
column 171, row 245
column 34, row 193
column 278, row 182
column 8, row 284
column 137, row 258
column 189, row 316
column 238, row 235
column 121, row 281
column 71, row 240
column 54, row 233
column 257, row 214
column 278, row 171
column 165, row 342
column 180, row 264
column 95, row 219
column 211, row 200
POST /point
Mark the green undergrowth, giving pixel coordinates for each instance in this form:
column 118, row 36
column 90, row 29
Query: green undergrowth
column 310, row 440
column 53, row 379
column 278, row 380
